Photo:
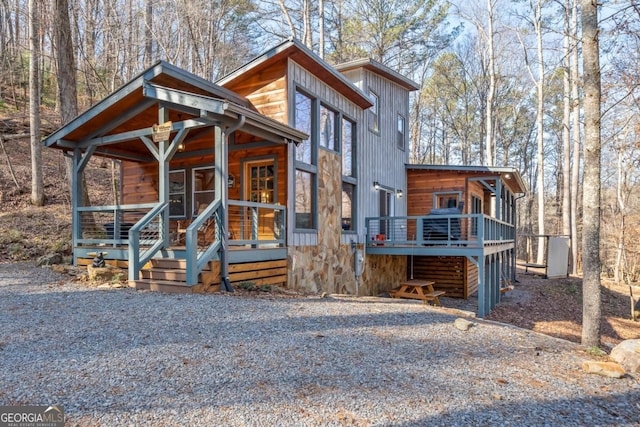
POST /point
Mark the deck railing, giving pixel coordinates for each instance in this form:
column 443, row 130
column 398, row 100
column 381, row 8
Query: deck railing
column 471, row 230
column 109, row 225
column 256, row 225
column 146, row 239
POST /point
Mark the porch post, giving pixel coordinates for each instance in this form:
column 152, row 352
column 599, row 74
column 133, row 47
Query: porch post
column 75, row 202
column 163, row 179
column 222, row 192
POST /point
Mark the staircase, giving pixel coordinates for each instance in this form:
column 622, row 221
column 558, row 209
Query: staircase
column 169, row 275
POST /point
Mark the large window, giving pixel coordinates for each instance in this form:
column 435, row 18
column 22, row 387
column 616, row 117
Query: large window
column 306, row 168
column 203, row 188
column 177, row 193
column 374, row 112
column 328, row 123
column 348, row 175
column 303, row 122
column 304, row 200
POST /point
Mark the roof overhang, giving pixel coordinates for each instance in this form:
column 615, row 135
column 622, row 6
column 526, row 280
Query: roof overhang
column 509, row 175
column 130, row 112
column 378, row 68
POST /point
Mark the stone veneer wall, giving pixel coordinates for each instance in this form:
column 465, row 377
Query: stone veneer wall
column 329, row 265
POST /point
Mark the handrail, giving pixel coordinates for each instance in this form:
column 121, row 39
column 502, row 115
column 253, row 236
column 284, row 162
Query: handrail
column 196, row 260
column 438, row 230
column 137, row 259
column 247, row 226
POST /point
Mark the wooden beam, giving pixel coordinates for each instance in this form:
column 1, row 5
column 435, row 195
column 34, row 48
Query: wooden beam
column 180, row 97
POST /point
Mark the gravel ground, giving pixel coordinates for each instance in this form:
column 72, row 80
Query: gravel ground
column 122, row 357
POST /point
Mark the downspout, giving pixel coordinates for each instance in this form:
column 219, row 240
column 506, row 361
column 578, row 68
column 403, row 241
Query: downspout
column 224, row 202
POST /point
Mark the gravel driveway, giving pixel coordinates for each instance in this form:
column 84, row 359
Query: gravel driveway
column 125, row 357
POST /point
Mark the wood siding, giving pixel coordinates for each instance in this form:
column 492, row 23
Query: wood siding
column 378, row 156
column 457, row 276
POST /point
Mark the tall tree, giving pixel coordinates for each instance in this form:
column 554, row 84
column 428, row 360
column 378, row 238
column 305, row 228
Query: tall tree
column 566, row 122
column 489, row 121
column 37, row 187
column 575, row 125
column 591, row 306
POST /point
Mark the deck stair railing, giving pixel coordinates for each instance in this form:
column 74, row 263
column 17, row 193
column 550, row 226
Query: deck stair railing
column 472, row 230
column 146, row 239
column 208, row 222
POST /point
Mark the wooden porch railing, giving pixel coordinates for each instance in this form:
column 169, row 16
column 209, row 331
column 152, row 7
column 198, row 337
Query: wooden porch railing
column 256, row 225
column 198, row 258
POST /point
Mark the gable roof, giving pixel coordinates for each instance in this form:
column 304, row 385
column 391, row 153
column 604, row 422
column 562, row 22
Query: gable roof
column 133, row 108
column 297, row 51
column 378, row 68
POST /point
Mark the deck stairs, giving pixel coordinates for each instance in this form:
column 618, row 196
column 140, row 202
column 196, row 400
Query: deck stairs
column 169, row 275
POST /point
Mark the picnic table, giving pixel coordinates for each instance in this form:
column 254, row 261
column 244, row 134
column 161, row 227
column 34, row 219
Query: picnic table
column 417, row 289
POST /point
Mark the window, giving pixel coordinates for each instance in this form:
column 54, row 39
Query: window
column 261, row 177
column 304, row 200
column 306, row 120
column 401, row 139
column 177, row 194
column 446, row 199
column 348, row 193
column 328, row 134
column 203, row 188
column 476, row 208
column 348, row 175
column 374, row 113
column 348, row 135
column 303, row 122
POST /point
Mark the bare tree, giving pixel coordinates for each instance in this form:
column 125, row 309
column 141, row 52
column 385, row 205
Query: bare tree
column 566, row 122
column 37, row 187
column 575, row 118
column 591, row 296
column 489, row 121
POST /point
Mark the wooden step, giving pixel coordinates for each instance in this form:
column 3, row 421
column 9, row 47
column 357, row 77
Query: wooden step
column 166, row 286
column 171, row 263
column 164, row 274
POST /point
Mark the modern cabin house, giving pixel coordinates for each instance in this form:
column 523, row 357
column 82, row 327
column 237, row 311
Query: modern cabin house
column 287, row 171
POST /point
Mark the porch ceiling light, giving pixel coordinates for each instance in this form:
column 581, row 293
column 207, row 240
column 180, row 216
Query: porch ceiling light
column 376, row 185
column 507, row 176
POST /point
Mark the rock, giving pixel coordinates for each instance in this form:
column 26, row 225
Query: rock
column 104, row 286
column 58, row 268
column 627, row 354
column 104, row 274
column 606, row 369
column 49, row 259
column 463, row 324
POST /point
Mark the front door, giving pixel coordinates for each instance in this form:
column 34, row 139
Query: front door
column 261, row 187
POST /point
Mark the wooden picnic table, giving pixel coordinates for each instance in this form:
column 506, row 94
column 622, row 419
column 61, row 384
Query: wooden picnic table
column 417, row 289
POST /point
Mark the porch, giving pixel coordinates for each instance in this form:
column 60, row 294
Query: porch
column 461, row 253
column 186, row 259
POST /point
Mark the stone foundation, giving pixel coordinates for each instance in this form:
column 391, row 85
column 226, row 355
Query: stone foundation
column 317, row 269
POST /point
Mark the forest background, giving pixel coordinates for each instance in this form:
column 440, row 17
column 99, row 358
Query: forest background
column 500, row 83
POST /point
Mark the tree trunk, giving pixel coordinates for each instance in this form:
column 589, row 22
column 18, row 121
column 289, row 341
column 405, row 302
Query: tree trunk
column 148, row 34
column 490, row 138
column 321, row 25
column 575, row 107
column 37, row 187
column 566, row 125
column 591, row 307
column 540, row 129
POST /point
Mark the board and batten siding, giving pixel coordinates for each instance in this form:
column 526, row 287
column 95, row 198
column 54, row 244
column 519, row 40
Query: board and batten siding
column 379, row 158
column 300, row 78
